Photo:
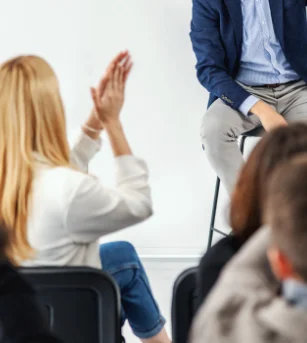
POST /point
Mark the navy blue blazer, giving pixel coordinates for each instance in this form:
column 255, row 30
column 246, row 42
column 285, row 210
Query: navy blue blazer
column 217, row 34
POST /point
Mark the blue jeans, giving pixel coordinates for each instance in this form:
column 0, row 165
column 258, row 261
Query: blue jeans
column 139, row 307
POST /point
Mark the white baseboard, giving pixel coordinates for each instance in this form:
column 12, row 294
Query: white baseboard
column 169, row 262
column 171, row 257
column 170, row 252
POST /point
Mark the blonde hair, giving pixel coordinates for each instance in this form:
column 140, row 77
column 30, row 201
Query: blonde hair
column 32, row 120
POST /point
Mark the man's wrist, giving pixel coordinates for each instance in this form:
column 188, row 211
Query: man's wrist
column 260, row 109
column 246, row 106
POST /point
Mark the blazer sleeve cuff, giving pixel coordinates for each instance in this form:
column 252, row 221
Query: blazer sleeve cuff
column 247, row 104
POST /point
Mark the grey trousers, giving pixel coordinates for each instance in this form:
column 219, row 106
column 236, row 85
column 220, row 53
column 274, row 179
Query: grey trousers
column 221, row 126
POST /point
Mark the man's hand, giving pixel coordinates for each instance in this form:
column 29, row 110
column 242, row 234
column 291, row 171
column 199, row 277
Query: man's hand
column 269, row 118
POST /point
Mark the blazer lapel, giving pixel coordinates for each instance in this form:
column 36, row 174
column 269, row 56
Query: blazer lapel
column 278, row 19
column 235, row 12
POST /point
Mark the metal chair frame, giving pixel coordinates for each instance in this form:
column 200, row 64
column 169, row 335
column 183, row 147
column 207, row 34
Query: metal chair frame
column 212, row 228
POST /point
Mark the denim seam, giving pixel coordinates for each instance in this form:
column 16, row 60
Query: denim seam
column 122, row 267
column 160, row 318
column 152, row 332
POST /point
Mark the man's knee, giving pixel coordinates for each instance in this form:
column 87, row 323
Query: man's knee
column 217, row 124
column 212, row 127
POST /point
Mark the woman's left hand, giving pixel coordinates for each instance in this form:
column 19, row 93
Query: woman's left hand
column 108, row 96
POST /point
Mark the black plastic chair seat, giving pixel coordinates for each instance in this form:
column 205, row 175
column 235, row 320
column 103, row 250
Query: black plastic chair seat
column 81, row 304
column 185, row 303
column 258, row 132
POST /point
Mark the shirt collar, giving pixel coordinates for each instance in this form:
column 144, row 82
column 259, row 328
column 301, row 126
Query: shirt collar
column 295, row 292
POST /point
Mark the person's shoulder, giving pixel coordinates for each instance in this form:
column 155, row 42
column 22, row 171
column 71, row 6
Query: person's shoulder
column 64, row 173
column 57, row 187
column 63, row 178
column 214, row 4
column 230, row 242
column 222, row 251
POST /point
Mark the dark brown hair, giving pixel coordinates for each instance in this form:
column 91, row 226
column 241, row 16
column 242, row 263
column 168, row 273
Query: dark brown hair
column 285, row 211
column 246, row 206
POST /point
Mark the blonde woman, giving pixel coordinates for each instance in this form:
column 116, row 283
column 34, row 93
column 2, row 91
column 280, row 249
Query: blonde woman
column 57, row 210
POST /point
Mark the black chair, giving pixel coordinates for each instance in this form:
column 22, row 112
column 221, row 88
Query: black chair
column 185, row 303
column 81, row 304
column 254, row 133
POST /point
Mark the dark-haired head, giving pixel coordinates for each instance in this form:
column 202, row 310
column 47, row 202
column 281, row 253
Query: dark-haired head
column 247, row 201
column 286, row 215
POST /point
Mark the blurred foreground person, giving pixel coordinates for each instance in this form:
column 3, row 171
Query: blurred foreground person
column 21, row 318
column 262, row 294
column 247, row 202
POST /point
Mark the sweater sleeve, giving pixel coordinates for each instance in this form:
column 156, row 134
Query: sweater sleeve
column 95, row 211
column 83, row 151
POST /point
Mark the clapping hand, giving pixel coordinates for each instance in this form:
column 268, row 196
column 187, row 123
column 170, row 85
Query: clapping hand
column 108, row 96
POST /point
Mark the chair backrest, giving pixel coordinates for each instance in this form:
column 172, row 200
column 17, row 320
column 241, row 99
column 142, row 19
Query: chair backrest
column 81, row 304
column 185, row 303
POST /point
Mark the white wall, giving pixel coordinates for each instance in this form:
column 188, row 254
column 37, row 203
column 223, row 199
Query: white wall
column 164, row 100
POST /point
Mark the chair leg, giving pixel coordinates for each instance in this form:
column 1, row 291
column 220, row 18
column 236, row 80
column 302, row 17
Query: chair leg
column 242, row 144
column 215, row 200
column 213, row 213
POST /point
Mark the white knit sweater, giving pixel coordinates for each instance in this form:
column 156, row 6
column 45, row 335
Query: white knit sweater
column 71, row 210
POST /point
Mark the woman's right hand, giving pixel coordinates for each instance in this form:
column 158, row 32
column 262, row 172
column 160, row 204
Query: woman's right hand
column 108, row 96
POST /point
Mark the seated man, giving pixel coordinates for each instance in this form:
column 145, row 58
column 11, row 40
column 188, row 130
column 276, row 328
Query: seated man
column 251, row 57
column 245, row 305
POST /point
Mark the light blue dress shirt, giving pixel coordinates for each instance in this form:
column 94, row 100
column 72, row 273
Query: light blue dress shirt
column 295, row 293
column 262, row 60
